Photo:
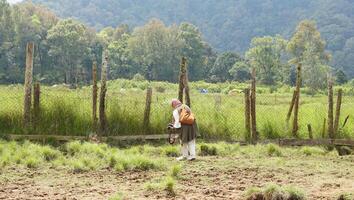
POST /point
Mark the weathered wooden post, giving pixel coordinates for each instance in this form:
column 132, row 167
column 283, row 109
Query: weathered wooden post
column 94, row 96
column 36, row 103
column 146, row 122
column 253, row 107
column 324, row 128
column 330, row 107
column 28, row 84
column 297, row 101
column 181, row 81
column 185, row 82
column 338, row 109
column 102, row 105
column 291, row 106
column 247, row 114
column 309, row 128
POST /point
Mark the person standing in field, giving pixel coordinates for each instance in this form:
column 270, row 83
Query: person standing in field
column 184, row 121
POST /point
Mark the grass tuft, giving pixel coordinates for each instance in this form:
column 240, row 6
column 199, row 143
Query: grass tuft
column 274, row 150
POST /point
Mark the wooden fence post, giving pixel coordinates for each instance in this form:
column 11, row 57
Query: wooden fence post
column 297, row 101
column 330, row 107
column 291, row 106
column 324, row 128
column 28, row 84
column 94, row 96
column 102, row 106
column 247, row 115
column 181, row 80
column 253, row 108
column 36, row 104
column 146, row 122
column 185, row 82
column 338, row 109
column 309, row 128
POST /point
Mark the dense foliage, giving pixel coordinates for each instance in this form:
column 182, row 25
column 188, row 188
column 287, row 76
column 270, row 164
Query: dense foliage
column 228, row 25
column 66, row 48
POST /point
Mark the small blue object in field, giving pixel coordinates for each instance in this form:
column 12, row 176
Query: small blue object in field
column 203, row 91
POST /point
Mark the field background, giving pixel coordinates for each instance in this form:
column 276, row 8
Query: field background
column 220, row 112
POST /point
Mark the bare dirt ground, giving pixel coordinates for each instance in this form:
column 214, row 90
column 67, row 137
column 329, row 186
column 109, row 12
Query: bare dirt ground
column 205, row 178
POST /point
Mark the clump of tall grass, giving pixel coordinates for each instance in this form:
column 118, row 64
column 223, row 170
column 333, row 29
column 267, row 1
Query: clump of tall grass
column 167, row 184
column 274, row 150
column 309, row 151
column 273, row 191
column 77, row 156
column 221, row 148
column 346, row 196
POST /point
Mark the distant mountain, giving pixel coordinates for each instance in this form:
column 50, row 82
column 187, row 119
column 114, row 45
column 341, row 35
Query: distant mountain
column 227, row 24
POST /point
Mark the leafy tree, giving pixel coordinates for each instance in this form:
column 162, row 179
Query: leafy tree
column 194, row 49
column 222, row 66
column 69, row 42
column 157, row 48
column 265, row 55
column 341, row 77
column 308, row 49
column 7, row 41
column 240, row 71
column 121, row 64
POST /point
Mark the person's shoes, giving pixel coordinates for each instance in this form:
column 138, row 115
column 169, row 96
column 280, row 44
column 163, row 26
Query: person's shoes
column 191, row 158
column 181, row 158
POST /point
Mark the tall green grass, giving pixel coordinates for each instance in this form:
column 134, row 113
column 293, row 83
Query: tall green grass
column 219, row 115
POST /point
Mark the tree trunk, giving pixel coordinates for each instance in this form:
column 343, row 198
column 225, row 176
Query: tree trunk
column 94, row 96
column 102, row 106
column 297, row 101
column 28, row 84
column 330, row 108
column 338, row 109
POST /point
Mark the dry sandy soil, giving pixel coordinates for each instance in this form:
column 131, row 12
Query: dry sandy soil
column 205, row 178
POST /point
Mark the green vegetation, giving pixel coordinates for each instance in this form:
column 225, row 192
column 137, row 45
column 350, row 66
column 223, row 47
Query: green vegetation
column 222, row 28
column 76, row 156
column 220, row 113
column 152, row 48
column 272, row 191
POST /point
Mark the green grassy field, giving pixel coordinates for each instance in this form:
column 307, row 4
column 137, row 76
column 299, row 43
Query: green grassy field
column 220, row 113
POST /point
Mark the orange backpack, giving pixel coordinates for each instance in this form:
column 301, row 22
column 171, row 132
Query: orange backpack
column 185, row 117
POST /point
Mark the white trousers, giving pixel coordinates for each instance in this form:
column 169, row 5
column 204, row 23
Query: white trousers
column 188, row 149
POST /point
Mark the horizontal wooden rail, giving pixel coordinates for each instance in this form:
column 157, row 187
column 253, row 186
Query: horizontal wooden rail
column 69, row 138
column 281, row 142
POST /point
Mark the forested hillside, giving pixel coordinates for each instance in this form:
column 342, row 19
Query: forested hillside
column 228, row 24
column 151, row 48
